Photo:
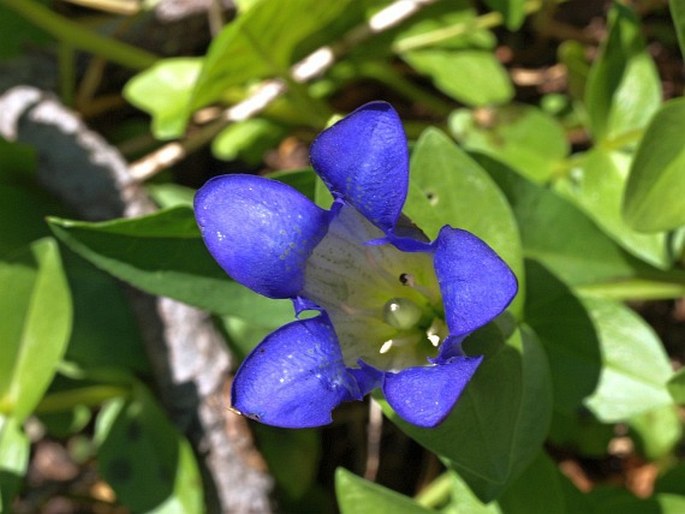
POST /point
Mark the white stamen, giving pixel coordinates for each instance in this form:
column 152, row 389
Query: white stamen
column 386, row 346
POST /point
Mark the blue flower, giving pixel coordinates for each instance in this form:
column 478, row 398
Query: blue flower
column 392, row 307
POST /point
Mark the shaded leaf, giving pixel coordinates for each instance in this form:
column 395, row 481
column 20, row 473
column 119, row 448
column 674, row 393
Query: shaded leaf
column 566, row 330
column 498, row 425
column 568, row 243
column 163, row 254
column 138, row 445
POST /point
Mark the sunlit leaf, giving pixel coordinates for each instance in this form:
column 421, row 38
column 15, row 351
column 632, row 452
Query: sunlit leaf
column 357, row 495
column 522, row 136
column 163, row 91
column 623, row 88
column 635, row 367
column 656, row 185
column 448, row 188
column 474, row 77
column 596, row 184
column 36, row 323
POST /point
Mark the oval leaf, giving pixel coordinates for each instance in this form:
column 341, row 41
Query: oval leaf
column 35, row 328
column 656, row 185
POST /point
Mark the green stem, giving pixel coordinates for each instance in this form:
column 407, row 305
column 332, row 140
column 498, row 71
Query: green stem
column 67, row 73
column 622, row 140
column 91, row 396
column 79, row 37
column 433, row 37
column 437, row 493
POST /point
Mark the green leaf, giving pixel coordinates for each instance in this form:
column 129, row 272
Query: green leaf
column 169, row 195
column 260, row 43
column 656, row 184
column 105, row 332
column 37, row 319
column 163, row 254
column 17, row 34
column 522, row 136
column 581, row 433
column 656, row 431
column 558, row 235
column 357, row 495
column 678, row 17
column 248, row 140
column 22, row 216
column 541, row 489
column 500, row 421
column 620, row 500
column 150, row 466
column 635, row 366
column 596, row 185
column 623, row 88
column 448, row 188
column 676, row 386
column 163, row 91
column 474, row 77
column 513, row 11
column 292, row 456
column 566, row 330
column 14, row 460
column 672, row 481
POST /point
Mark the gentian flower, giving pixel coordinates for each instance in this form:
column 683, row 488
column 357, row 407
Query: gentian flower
column 392, row 308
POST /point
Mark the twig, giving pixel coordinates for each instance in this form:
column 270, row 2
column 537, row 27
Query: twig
column 308, row 68
column 373, row 441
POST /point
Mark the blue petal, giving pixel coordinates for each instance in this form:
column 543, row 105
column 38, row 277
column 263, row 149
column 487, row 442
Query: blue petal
column 295, row 377
column 260, row 231
column 364, row 160
column 476, row 284
column 424, row 396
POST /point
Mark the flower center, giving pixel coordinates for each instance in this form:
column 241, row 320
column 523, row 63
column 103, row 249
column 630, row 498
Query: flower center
column 402, row 313
column 385, row 304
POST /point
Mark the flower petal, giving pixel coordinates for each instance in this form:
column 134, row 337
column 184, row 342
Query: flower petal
column 424, row 396
column 476, row 284
column 260, row 231
column 364, row 160
column 295, row 377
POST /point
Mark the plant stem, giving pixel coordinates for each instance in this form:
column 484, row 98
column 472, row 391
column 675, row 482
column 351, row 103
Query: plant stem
column 74, row 34
column 437, row 493
column 91, row 396
column 67, row 73
column 485, row 21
